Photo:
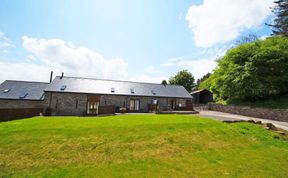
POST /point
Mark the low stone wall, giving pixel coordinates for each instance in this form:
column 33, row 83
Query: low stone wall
column 263, row 113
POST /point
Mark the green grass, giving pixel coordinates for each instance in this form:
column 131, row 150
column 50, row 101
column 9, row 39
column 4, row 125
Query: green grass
column 275, row 102
column 139, row 146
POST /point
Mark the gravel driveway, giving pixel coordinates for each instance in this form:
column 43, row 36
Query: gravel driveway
column 226, row 117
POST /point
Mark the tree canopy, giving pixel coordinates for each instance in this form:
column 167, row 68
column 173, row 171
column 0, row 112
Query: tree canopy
column 280, row 24
column 164, row 82
column 202, row 79
column 251, row 71
column 183, row 78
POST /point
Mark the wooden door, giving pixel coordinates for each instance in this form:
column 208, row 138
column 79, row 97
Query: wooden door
column 173, row 104
column 92, row 107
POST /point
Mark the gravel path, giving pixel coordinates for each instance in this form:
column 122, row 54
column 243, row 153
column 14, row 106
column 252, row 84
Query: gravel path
column 226, row 117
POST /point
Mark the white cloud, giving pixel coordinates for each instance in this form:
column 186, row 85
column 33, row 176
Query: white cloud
column 45, row 55
column 151, row 70
column 81, row 61
column 148, row 78
column 5, row 42
column 198, row 67
column 220, row 21
column 25, row 71
column 58, row 55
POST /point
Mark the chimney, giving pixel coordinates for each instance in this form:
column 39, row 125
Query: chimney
column 62, row 75
column 51, row 76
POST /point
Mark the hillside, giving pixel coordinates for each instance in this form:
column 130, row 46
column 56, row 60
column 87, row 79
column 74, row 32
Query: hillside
column 274, row 102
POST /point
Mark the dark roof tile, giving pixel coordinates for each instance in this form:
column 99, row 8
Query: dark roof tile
column 11, row 89
column 99, row 86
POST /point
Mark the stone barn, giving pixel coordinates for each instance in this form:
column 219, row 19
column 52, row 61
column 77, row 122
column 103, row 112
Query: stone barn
column 86, row 96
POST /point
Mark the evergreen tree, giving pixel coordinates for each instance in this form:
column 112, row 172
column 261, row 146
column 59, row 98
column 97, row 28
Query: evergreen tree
column 280, row 25
column 202, row 79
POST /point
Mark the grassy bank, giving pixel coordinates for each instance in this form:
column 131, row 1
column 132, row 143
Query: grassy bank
column 139, row 146
column 275, row 102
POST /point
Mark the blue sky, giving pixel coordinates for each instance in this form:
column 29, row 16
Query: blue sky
column 140, row 40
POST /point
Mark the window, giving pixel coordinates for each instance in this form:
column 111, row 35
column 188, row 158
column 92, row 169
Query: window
column 134, row 105
column 56, row 104
column 173, row 104
column 76, row 104
column 23, row 95
column 155, row 101
column 6, row 91
column 63, row 87
column 92, row 107
column 132, row 90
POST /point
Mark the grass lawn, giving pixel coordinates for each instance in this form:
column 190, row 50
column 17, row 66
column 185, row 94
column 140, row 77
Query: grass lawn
column 139, row 146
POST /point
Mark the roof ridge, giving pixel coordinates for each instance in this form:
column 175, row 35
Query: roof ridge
column 117, row 80
column 26, row 81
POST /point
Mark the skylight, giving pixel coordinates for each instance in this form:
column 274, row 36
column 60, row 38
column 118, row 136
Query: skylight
column 153, row 92
column 6, row 91
column 112, row 90
column 23, row 95
column 63, row 87
column 132, row 90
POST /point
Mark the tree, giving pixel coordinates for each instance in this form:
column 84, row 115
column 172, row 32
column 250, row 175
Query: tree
column 251, row 37
column 280, row 24
column 202, row 79
column 164, row 82
column 183, row 78
column 252, row 71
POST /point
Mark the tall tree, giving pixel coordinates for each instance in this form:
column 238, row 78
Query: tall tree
column 202, row 79
column 280, row 24
column 251, row 37
column 252, row 71
column 164, row 82
column 183, row 78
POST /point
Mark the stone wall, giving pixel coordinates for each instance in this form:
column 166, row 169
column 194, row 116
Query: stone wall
column 75, row 104
column 263, row 113
column 66, row 103
column 18, row 104
column 123, row 101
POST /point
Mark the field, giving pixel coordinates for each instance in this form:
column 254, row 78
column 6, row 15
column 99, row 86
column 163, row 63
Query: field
column 139, row 146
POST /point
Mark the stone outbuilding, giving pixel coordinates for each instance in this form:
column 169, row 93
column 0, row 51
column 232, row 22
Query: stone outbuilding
column 86, row 96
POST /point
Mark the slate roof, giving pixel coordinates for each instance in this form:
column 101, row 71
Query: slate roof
column 11, row 89
column 99, row 86
column 199, row 91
